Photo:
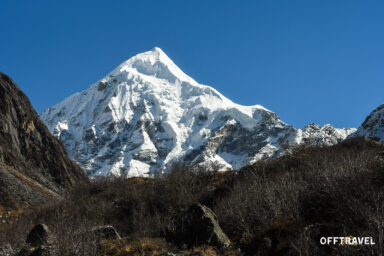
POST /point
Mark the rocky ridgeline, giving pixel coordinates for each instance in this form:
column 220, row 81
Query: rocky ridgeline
column 34, row 165
column 373, row 126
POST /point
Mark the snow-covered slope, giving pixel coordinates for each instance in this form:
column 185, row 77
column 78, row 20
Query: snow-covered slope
column 147, row 114
column 373, row 126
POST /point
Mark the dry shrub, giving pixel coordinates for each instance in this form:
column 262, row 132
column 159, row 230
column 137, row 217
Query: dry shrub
column 281, row 206
column 331, row 191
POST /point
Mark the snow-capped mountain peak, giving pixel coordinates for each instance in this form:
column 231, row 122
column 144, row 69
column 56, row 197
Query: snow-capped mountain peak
column 147, row 114
column 154, row 63
column 373, row 126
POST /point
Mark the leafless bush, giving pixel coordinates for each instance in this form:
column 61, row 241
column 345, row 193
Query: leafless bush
column 291, row 201
column 331, row 191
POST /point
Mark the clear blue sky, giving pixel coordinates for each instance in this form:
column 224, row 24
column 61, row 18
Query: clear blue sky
column 316, row 61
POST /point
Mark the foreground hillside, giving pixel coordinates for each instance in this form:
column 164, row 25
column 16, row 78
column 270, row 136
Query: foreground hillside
column 34, row 166
column 279, row 207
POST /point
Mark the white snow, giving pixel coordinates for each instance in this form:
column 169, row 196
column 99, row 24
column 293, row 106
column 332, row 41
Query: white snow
column 373, row 126
column 147, row 114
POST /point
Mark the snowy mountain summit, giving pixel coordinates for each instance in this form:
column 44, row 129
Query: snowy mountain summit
column 373, row 126
column 148, row 114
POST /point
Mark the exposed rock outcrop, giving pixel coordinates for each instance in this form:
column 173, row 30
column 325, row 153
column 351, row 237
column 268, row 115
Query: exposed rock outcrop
column 105, row 233
column 39, row 235
column 6, row 250
column 34, row 165
column 198, row 226
column 38, row 242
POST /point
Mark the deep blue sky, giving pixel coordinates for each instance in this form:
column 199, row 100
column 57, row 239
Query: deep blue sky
column 309, row 61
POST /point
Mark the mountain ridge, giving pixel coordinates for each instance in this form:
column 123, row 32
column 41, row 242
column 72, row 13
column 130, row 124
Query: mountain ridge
column 147, row 114
column 373, row 125
column 33, row 164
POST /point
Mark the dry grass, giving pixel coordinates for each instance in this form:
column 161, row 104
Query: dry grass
column 153, row 247
column 135, row 247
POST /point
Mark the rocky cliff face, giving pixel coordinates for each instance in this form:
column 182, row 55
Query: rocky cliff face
column 147, row 114
column 34, row 165
column 373, row 126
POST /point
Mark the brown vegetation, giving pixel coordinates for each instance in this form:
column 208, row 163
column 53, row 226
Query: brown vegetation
column 280, row 207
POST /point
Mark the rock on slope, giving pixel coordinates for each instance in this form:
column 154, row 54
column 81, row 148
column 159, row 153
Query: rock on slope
column 33, row 164
column 373, row 126
column 147, row 114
